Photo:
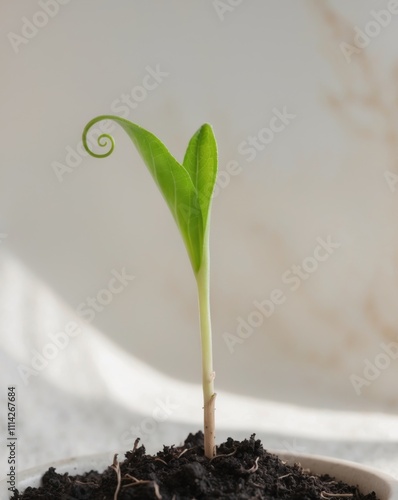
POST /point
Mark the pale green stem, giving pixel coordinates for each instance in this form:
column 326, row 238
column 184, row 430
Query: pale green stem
column 203, row 282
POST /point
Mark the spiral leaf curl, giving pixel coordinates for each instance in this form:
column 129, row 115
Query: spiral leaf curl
column 103, row 140
column 186, row 187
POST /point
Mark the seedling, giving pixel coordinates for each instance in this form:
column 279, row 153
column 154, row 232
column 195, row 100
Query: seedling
column 187, row 189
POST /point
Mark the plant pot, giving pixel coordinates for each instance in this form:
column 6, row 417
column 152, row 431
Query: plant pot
column 367, row 478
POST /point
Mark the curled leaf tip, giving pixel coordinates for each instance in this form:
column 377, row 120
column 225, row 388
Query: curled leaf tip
column 103, row 140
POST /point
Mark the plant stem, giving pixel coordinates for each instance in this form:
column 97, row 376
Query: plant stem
column 209, row 396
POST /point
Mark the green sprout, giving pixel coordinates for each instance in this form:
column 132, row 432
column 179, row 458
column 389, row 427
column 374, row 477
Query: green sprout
column 187, row 189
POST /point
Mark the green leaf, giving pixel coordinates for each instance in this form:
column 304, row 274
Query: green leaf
column 201, row 163
column 186, row 188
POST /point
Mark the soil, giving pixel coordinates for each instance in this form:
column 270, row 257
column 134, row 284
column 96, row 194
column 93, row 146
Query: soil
column 241, row 470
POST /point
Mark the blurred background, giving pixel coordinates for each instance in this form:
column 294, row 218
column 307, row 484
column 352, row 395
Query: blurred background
column 98, row 312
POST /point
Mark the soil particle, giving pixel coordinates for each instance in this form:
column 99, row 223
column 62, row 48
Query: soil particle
column 240, row 471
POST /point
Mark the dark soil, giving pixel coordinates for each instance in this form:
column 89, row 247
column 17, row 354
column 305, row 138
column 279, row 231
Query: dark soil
column 241, row 470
